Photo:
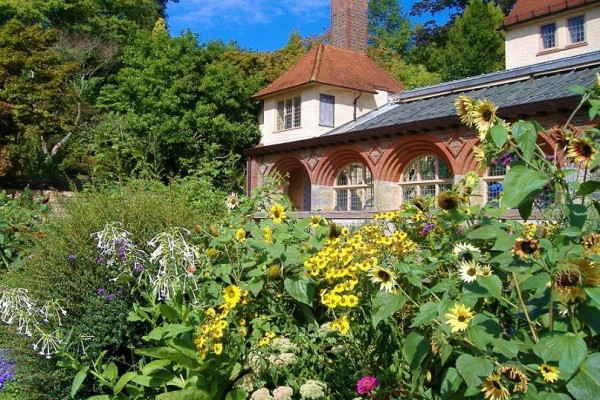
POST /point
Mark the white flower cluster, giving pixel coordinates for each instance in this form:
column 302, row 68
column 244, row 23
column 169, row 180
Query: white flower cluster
column 279, row 393
column 312, row 389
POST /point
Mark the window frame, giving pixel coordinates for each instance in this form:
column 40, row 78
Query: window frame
column 288, row 110
column 440, row 184
column 351, row 188
column 544, row 35
column 323, row 96
column 493, row 175
column 570, row 30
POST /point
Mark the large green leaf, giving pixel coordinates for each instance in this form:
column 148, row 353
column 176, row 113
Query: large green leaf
column 525, row 135
column 586, row 383
column 78, row 380
column 237, row 394
column 522, row 183
column 473, row 370
column 499, row 135
column 588, row 187
column 124, row 380
column 427, row 312
column 451, row 382
column 416, row 347
column 384, row 305
column 301, row 289
column 169, row 354
column 573, row 351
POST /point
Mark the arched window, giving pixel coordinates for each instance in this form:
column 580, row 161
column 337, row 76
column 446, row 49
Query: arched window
column 426, row 175
column 354, row 188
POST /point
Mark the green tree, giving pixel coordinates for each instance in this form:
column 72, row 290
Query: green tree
column 458, row 6
column 175, row 107
column 475, row 43
column 388, row 26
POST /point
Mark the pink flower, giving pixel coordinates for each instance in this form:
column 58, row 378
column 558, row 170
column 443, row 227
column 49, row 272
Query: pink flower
column 366, row 384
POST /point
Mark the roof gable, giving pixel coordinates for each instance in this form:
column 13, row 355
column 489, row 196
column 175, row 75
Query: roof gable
column 337, row 67
column 526, row 10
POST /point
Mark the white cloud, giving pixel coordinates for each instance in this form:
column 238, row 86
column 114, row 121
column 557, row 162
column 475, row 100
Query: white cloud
column 216, row 12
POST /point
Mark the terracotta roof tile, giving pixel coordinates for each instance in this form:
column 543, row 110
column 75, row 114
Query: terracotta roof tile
column 337, row 67
column 526, row 10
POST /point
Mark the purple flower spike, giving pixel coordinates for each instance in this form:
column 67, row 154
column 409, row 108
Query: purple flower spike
column 428, row 227
column 71, row 257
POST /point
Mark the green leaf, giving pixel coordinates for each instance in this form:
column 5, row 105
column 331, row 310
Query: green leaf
column 124, row 380
column 588, row 187
column 451, row 382
column 577, row 214
column 236, row 394
column 499, row 135
column 445, row 353
column 78, row 380
column 594, row 293
column 521, row 184
column 187, row 394
column 525, row 135
column 384, row 305
column 169, row 354
column 525, row 208
column 301, row 289
column 169, row 313
column 572, row 349
column 577, row 89
column 111, row 372
column 427, row 312
column 586, row 383
column 506, row 348
column 154, row 365
column 416, row 347
column 486, row 232
column 473, row 369
column 492, row 284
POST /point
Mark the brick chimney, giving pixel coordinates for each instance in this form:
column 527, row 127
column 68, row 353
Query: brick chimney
column 349, row 25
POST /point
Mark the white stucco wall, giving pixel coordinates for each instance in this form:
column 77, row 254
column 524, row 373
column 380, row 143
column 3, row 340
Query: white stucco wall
column 523, row 42
column 343, row 110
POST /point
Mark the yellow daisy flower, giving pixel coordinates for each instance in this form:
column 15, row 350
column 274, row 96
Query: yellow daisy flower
column 268, row 234
column 240, row 235
column 315, row 220
column 459, row 317
column 218, row 348
column 232, row 295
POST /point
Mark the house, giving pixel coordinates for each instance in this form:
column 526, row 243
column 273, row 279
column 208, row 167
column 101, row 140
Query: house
column 538, row 31
column 373, row 154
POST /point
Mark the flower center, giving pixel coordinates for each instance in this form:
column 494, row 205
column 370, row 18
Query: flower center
column 567, row 279
column 461, row 318
column 497, row 386
column 384, row 276
column 471, row 272
column 486, row 115
column 529, row 247
column 586, row 149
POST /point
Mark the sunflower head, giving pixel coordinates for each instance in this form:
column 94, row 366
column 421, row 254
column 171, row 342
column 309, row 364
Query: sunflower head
column 275, row 272
column 448, row 200
column 591, row 243
column 458, row 317
column 268, row 234
column 420, row 203
column 514, row 376
column 315, row 220
column 484, row 114
column 385, row 278
column 464, row 109
column 582, row 150
column 240, row 235
column 232, row 201
column 525, row 247
column 561, row 136
column 549, row 373
column 493, row 388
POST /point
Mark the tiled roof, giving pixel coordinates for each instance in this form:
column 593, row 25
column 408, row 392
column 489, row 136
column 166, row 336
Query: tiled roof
column 526, row 10
column 510, row 88
column 329, row 65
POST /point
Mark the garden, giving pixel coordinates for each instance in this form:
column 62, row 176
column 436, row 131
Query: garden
column 144, row 290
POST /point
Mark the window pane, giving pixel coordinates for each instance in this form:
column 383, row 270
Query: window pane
column 326, row 110
column 497, row 170
column 444, row 187
column 443, row 170
column 427, row 190
column 576, row 30
column 297, row 112
column 408, row 192
column 493, row 192
column 280, row 115
column 427, row 168
column 548, row 37
column 357, row 199
column 342, row 179
column 341, row 200
column 411, row 172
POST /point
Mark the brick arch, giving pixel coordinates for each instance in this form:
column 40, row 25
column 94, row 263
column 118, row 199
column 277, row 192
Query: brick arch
column 407, row 149
column 288, row 163
column 336, row 159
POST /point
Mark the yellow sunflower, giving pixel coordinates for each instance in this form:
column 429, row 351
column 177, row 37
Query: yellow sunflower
column 268, row 234
column 525, row 247
column 277, row 213
column 315, row 220
column 573, row 277
column 459, row 317
column 581, row 150
column 591, row 243
column 549, row 373
column 464, row 109
column 240, row 235
column 493, row 388
column 447, row 200
column 384, row 277
column 515, row 377
column 232, row 295
column 484, row 115
column 232, row 201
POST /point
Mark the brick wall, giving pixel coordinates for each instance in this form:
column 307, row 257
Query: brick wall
column 349, row 25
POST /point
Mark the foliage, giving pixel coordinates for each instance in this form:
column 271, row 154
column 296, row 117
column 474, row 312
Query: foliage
column 63, row 265
column 475, row 44
column 22, row 218
column 388, row 26
column 437, row 6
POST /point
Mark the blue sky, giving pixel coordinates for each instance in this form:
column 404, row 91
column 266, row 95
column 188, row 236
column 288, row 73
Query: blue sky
column 259, row 25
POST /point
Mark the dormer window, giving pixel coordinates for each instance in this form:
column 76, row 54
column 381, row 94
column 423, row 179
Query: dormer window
column 289, row 113
column 326, row 110
column 548, row 33
column 576, row 30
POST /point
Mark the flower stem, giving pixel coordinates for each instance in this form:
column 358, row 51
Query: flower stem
column 531, row 326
